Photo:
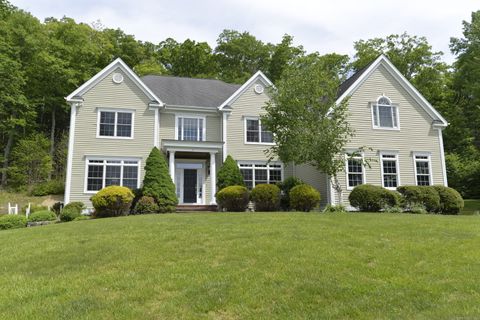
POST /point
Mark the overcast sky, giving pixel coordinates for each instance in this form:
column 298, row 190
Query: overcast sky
column 323, row 26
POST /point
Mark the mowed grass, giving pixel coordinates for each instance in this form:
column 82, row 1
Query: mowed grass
column 244, row 266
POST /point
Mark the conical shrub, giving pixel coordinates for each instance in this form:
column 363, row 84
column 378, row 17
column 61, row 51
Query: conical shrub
column 229, row 175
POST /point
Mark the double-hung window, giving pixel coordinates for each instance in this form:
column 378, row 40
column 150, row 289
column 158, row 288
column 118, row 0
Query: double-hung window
column 256, row 173
column 389, row 166
column 255, row 133
column 190, row 128
column 355, row 170
column 104, row 173
column 384, row 114
column 422, row 169
column 117, row 124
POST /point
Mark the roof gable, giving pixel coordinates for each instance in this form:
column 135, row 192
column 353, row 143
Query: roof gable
column 116, row 64
column 353, row 83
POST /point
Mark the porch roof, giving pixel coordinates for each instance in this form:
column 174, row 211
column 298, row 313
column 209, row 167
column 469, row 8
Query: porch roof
column 192, row 146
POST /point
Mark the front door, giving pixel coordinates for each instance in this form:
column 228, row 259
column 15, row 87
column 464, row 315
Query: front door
column 189, row 185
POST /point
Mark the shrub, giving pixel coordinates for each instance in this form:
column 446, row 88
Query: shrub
column 229, row 174
column 57, row 208
column 11, row 221
column 48, row 187
column 146, row 205
column 367, row 197
column 80, row 218
column 266, row 197
column 285, row 187
column 451, row 202
column 69, row 214
column 339, row 208
column 42, row 216
column 424, row 195
column 76, row 205
column 394, row 209
column 417, row 208
column 112, row 201
column 157, row 182
column 34, row 208
column 233, row 198
column 304, row 197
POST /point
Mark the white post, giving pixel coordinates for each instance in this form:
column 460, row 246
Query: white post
column 224, row 133
column 213, row 177
column 171, row 164
column 27, row 211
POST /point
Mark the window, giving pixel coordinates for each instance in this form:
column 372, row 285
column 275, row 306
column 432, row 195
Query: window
column 422, row 169
column 389, row 166
column 104, row 173
column 254, row 133
column 118, row 124
column 384, row 114
column 190, row 129
column 254, row 174
column 354, row 168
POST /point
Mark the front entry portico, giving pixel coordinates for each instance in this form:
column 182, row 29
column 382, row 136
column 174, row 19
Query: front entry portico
column 189, row 181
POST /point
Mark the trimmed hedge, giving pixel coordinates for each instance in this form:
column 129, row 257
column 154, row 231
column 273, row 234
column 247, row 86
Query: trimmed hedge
column 12, row 221
column 146, row 205
column 42, row 216
column 112, row 201
column 304, row 197
column 451, row 202
column 266, row 197
column 285, row 187
column 69, row 214
column 233, row 198
column 423, row 195
column 367, row 197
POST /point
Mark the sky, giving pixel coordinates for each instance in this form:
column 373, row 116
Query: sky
column 323, row 26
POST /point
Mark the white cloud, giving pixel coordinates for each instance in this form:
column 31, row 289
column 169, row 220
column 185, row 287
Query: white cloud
column 324, row 26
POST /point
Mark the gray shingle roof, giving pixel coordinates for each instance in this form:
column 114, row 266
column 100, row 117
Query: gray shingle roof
column 350, row 81
column 188, row 91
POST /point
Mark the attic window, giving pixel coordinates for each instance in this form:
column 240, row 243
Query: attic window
column 384, row 114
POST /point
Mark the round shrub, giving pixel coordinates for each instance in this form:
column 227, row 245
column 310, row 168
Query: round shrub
column 285, row 187
column 451, row 202
column 112, row 201
column 44, row 215
column 12, row 221
column 78, row 206
column 146, row 205
column 423, row 195
column 304, row 197
column 367, row 197
column 233, row 198
column 69, row 214
column 266, row 197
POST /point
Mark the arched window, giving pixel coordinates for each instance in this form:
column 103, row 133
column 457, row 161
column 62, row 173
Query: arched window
column 384, row 114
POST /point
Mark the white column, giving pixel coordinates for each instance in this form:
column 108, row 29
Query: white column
column 213, row 176
column 156, row 128
column 224, row 133
column 171, row 164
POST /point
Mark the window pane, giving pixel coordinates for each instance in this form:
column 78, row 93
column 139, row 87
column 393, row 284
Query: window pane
column 112, row 176
column 267, row 136
column 94, row 178
column 124, row 118
column 253, row 134
column 124, row 124
column 260, row 176
column 385, row 116
column 389, row 166
column 354, row 179
column 200, row 129
column 422, row 167
column 107, row 117
column 354, row 165
column 107, row 124
column 247, row 177
column 390, row 181
column 423, row 180
column 190, row 129
column 375, row 116
column 130, row 176
column 275, row 175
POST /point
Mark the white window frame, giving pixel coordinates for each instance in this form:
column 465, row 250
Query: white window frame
column 252, row 165
column 178, row 119
column 100, row 110
column 397, row 165
column 359, row 156
column 105, row 159
column 429, row 160
column 259, row 132
column 374, row 107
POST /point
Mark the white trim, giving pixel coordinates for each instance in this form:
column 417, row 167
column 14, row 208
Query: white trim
column 213, row 177
column 245, row 119
column 170, row 108
column 200, row 166
column 364, row 176
column 245, row 86
column 105, row 164
column 116, row 110
column 224, row 134
column 71, row 140
column 191, row 116
column 394, row 107
column 442, row 158
column 116, row 64
column 156, row 129
column 383, row 60
column 429, row 160
column 397, row 165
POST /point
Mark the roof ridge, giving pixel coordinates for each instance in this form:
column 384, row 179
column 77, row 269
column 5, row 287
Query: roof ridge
column 188, row 78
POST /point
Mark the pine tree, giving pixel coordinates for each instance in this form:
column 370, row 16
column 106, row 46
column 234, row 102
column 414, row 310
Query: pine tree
column 229, row 174
column 157, row 182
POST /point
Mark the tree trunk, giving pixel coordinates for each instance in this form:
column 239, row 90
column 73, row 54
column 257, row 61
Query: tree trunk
column 6, row 155
column 52, row 141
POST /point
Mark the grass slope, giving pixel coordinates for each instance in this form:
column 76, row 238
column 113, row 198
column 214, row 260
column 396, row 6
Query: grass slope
column 244, row 266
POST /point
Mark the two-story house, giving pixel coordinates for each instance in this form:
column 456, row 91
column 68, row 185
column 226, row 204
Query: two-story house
column 117, row 118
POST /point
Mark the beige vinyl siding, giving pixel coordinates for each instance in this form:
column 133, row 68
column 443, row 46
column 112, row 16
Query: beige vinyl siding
column 416, row 133
column 248, row 104
column 107, row 94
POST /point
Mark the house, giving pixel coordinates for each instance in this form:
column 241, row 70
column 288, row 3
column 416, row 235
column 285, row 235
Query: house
column 117, row 118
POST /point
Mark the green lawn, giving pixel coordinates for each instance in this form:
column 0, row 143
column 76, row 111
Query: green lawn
column 244, row 266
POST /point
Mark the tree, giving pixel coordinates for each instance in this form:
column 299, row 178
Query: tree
column 283, row 55
column 229, row 174
column 157, row 182
column 307, row 125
